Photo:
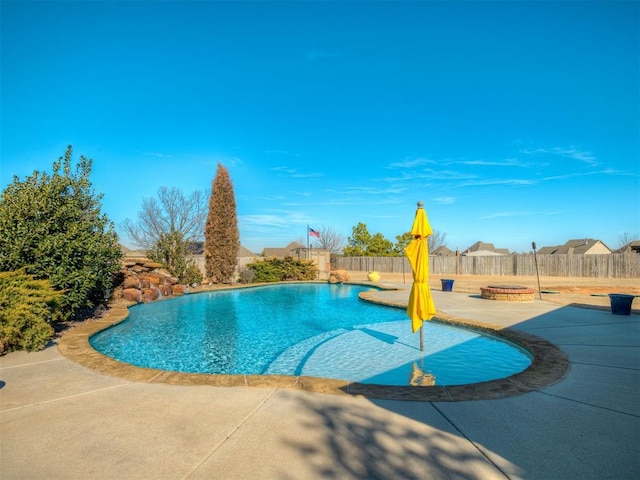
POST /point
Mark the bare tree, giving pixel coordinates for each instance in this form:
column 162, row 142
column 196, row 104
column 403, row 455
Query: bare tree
column 435, row 240
column 168, row 226
column 625, row 238
column 331, row 239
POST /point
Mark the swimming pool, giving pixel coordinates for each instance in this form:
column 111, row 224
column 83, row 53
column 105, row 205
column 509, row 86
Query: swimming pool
column 312, row 329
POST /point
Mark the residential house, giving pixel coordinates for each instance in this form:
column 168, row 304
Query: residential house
column 322, row 258
column 586, row 246
column 631, row 247
column 480, row 249
column 245, row 256
column 294, row 250
column 443, row 251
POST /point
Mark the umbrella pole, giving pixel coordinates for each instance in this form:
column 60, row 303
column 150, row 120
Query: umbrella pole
column 533, row 245
column 422, row 337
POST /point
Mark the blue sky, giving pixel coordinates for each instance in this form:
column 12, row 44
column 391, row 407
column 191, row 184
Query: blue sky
column 512, row 121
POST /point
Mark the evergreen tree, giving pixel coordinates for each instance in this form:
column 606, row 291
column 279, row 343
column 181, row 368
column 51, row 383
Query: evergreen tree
column 52, row 225
column 358, row 242
column 362, row 244
column 221, row 236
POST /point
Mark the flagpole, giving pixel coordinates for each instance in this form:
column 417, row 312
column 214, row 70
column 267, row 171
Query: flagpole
column 308, row 255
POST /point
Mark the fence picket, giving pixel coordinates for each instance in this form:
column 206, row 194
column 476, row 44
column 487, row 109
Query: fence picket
column 615, row 265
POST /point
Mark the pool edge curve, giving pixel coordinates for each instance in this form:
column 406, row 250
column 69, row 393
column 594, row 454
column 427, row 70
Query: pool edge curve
column 549, row 365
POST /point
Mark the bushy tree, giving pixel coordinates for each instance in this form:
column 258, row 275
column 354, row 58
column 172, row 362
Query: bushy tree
column 435, row 240
column 363, row 244
column 52, row 225
column 358, row 242
column 380, row 246
column 401, row 243
column 221, row 235
column 27, row 309
column 167, row 228
column 283, row 269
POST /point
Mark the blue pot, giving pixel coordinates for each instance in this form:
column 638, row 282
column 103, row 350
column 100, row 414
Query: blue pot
column 620, row 303
column 447, row 284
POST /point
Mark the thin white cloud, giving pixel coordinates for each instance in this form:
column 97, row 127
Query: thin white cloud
column 444, row 200
column 412, row 163
column 507, row 162
column 307, row 175
column 157, row 154
column 228, row 162
column 276, row 219
column 283, row 169
column 586, row 174
column 357, row 190
column 271, row 198
column 571, row 152
column 431, row 175
column 293, row 173
column 344, row 200
column 491, row 182
column 525, row 213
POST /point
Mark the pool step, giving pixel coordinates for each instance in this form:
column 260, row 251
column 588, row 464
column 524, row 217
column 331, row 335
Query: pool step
column 293, row 358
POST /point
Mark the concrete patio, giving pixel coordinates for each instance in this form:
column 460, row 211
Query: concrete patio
column 61, row 420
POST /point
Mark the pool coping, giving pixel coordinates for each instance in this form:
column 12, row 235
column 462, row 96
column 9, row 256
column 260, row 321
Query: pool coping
column 549, row 365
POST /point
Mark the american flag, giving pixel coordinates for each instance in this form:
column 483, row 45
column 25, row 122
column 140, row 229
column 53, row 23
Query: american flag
column 313, row 233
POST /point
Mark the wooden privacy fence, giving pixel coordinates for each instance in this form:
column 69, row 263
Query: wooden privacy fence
column 614, row 265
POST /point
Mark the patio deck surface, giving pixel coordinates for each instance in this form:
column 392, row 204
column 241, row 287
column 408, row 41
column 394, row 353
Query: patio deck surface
column 60, row 419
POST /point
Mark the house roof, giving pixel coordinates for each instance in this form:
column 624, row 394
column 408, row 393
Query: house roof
column 573, row 247
column 482, row 248
column 197, row 248
column 633, row 246
column 443, row 251
column 292, row 249
column 245, row 252
column 483, row 253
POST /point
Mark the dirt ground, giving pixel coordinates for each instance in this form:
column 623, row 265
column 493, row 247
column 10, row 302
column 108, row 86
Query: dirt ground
column 577, row 291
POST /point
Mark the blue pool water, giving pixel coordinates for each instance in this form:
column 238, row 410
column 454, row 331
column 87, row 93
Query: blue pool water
column 319, row 330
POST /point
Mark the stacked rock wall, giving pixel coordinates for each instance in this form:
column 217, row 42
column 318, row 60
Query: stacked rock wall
column 147, row 281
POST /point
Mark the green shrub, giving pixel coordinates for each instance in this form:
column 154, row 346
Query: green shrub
column 192, row 274
column 283, row 269
column 52, row 224
column 27, row 307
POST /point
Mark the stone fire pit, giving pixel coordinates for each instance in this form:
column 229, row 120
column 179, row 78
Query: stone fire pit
column 508, row 293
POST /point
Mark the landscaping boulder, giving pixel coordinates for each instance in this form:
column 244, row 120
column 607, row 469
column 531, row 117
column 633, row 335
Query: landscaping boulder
column 166, row 289
column 147, row 281
column 131, row 282
column 132, row 295
column 150, row 294
column 339, row 276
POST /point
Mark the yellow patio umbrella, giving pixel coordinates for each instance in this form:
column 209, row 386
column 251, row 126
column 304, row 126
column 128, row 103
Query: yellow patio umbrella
column 421, row 306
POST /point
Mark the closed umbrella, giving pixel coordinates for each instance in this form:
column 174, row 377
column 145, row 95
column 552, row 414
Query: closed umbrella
column 421, row 306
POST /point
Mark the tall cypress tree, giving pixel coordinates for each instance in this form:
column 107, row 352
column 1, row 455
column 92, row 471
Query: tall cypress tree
column 221, row 236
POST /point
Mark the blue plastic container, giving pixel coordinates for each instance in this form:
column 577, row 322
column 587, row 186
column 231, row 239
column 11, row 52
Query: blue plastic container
column 621, row 303
column 447, row 284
